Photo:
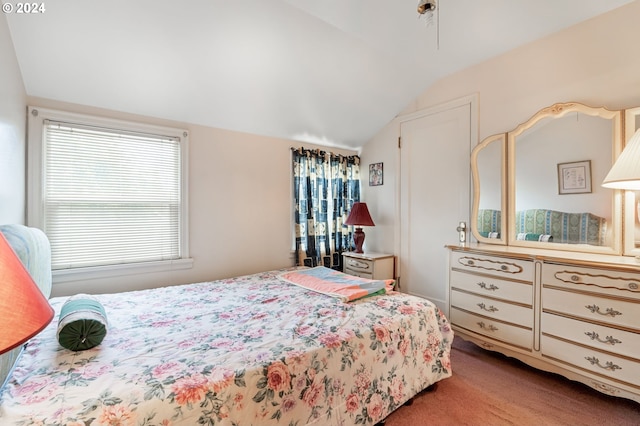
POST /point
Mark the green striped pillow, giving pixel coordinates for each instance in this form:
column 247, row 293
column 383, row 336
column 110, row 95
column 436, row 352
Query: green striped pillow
column 82, row 323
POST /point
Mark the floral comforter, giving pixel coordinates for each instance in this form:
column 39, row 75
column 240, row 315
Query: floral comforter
column 252, row 350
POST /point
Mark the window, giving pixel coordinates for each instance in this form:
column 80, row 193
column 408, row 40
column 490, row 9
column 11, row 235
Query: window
column 325, row 186
column 110, row 195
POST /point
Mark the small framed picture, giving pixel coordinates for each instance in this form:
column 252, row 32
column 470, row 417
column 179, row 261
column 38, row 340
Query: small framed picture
column 575, row 177
column 376, row 174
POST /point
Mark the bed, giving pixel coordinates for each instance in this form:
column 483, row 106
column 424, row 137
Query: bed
column 250, row 350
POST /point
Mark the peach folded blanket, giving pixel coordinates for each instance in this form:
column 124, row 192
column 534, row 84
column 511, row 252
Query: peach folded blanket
column 337, row 284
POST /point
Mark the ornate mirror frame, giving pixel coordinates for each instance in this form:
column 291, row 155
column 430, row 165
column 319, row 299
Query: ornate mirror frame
column 623, row 123
column 631, row 198
column 500, row 222
column 556, row 111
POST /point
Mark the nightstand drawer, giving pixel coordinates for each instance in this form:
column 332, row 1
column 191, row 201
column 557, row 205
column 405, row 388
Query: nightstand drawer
column 373, row 266
column 358, row 274
column 359, row 265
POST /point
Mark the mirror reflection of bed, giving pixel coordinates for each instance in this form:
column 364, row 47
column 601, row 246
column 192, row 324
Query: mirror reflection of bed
column 522, row 195
column 546, row 225
column 543, row 212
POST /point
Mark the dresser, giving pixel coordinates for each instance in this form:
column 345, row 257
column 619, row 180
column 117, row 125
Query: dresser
column 374, row 266
column 574, row 314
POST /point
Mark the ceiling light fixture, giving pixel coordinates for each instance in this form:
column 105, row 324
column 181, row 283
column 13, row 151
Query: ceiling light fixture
column 427, row 8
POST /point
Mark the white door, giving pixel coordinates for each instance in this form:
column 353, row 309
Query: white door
column 434, row 196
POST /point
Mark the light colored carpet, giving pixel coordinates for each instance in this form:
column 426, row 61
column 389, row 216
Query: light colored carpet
column 490, row 389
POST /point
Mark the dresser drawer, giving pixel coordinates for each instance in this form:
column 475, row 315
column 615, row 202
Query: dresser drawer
column 593, row 307
column 498, row 330
column 597, row 336
column 511, row 291
column 605, row 364
column 509, row 312
column 591, row 279
column 513, row 269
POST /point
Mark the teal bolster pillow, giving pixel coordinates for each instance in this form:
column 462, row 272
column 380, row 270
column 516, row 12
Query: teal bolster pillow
column 529, row 236
column 82, row 323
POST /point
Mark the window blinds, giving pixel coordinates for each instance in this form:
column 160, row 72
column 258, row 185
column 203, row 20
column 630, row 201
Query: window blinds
column 110, row 197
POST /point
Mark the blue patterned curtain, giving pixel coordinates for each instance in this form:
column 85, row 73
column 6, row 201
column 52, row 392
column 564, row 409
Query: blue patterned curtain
column 325, row 187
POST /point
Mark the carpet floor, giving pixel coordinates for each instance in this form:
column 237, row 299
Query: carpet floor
column 491, row 389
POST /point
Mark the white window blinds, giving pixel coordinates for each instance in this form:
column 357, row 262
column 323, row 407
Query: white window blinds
column 110, row 197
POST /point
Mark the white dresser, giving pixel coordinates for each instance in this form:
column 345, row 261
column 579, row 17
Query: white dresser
column 573, row 314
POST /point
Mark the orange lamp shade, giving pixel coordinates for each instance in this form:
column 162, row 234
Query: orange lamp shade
column 24, row 311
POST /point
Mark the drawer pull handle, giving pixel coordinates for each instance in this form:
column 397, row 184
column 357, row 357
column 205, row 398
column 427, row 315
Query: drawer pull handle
column 607, row 366
column 504, row 267
column 490, row 287
column 595, row 309
column 633, row 286
column 470, row 262
column 489, row 327
column 489, row 309
column 575, row 278
column 609, row 340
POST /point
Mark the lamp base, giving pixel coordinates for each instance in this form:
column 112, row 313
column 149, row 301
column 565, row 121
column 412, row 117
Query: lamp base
column 358, row 239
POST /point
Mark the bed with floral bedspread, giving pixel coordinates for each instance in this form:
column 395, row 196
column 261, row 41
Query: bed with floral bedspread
column 252, row 350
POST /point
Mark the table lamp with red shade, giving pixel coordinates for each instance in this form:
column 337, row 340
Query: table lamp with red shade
column 359, row 217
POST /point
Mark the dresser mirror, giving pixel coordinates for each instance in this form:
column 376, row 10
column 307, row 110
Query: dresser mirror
column 489, row 174
column 632, row 198
column 540, row 184
column 557, row 161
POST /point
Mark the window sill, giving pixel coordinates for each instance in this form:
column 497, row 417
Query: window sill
column 63, row 276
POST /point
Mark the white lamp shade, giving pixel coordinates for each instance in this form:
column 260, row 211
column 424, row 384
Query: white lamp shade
column 625, row 173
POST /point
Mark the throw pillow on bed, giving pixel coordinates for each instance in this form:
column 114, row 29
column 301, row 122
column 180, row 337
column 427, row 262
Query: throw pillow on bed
column 82, row 323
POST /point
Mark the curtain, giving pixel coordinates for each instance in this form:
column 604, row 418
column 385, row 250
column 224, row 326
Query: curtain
column 325, row 187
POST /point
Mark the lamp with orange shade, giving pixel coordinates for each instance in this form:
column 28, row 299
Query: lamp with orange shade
column 359, row 217
column 24, row 310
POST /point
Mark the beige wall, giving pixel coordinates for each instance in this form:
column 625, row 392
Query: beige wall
column 240, row 217
column 594, row 62
column 240, row 205
column 13, row 109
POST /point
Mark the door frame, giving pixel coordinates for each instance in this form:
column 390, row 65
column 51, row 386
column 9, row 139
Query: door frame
column 473, row 102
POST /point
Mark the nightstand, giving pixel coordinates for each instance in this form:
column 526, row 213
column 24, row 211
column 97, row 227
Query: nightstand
column 374, row 266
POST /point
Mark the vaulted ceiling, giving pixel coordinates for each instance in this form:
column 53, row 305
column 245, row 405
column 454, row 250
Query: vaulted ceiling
column 323, row 71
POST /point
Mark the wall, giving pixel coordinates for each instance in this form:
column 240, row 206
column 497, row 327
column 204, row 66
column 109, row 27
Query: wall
column 563, row 140
column 593, row 63
column 239, row 190
column 13, row 109
column 240, row 205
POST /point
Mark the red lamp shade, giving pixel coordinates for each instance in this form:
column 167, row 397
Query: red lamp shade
column 359, row 216
column 24, row 311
